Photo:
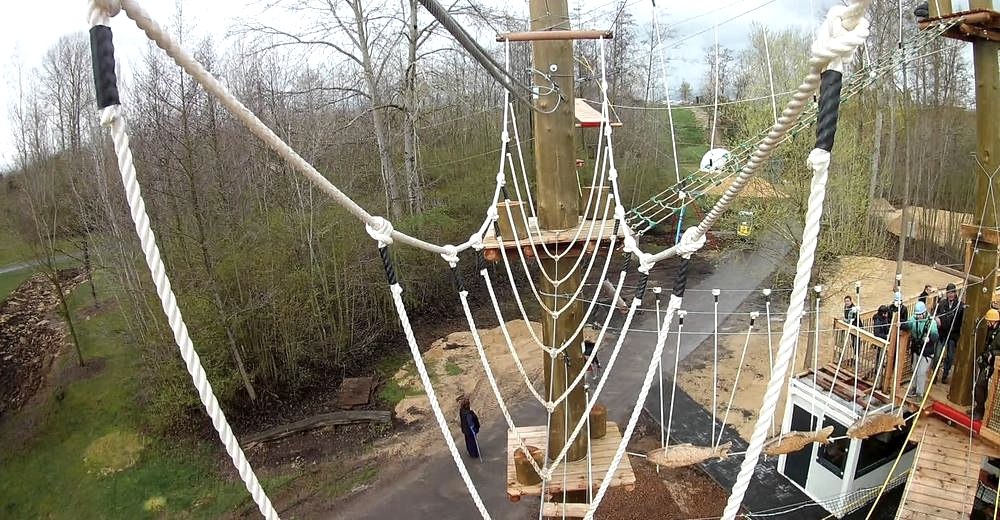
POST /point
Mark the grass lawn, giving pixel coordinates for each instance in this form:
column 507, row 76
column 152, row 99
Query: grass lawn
column 91, row 457
column 10, row 281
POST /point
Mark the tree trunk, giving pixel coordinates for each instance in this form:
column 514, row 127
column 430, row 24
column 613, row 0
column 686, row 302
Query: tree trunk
column 414, row 186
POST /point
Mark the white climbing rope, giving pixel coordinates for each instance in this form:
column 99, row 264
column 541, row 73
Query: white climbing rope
column 829, row 49
column 647, row 383
column 820, row 162
column 673, row 381
column 112, row 118
column 418, row 360
column 134, row 10
column 666, row 91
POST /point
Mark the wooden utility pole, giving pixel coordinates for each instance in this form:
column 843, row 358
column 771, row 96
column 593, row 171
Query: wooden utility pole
column 558, row 208
column 984, row 262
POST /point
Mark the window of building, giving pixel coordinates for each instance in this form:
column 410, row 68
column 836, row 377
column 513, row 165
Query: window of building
column 833, row 456
column 882, row 449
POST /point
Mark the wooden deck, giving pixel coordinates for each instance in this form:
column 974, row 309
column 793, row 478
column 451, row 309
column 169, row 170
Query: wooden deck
column 945, row 473
column 602, row 230
column 570, row 476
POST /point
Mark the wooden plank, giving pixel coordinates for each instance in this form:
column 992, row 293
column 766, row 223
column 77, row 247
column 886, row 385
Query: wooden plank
column 602, row 230
column 568, row 510
column 956, row 273
column 553, row 35
column 355, row 391
column 588, row 117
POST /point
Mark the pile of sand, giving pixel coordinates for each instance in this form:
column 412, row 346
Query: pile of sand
column 877, row 277
column 455, row 368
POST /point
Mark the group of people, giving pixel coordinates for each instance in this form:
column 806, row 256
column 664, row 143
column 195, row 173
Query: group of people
column 932, row 334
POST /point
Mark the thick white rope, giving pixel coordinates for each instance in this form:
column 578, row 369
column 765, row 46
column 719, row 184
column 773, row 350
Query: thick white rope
column 820, row 162
column 659, row 362
column 418, row 360
column 134, row 10
column 647, row 383
column 112, row 118
column 830, row 48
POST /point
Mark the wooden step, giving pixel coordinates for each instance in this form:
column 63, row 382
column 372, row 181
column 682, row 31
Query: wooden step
column 567, row 510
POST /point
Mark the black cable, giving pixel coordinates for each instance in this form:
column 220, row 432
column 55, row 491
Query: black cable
column 506, row 80
column 680, row 283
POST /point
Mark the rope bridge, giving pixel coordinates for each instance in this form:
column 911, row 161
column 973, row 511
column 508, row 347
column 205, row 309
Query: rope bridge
column 842, row 32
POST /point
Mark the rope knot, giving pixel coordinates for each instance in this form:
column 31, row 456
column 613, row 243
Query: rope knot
column 476, row 242
column 450, row 255
column 501, row 178
column 381, row 230
column 110, row 114
column 691, row 241
column 102, row 11
column 842, row 32
column 819, row 159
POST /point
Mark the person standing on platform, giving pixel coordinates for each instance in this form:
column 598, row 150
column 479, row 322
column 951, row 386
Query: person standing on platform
column 949, row 316
column 923, row 345
column 882, row 322
column 985, row 363
column 897, row 310
column 470, row 426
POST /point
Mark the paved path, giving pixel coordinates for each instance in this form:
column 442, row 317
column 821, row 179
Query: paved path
column 433, row 489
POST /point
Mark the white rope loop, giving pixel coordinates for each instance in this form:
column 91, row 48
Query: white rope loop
column 112, row 118
column 381, row 229
column 100, row 12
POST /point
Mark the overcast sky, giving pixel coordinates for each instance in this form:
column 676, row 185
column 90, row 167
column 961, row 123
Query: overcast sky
column 28, row 29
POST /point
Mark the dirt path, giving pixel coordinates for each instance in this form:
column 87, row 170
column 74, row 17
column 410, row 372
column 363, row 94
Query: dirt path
column 704, row 117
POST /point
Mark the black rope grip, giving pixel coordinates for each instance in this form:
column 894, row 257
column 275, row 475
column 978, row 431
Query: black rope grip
column 390, row 271
column 680, row 283
column 829, row 108
column 627, row 265
column 503, row 191
column 102, row 55
column 640, row 289
column 456, row 278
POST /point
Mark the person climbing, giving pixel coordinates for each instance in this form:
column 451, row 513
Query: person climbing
column 949, row 317
column 470, row 426
column 923, row 345
column 985, row 362
column 882, row 322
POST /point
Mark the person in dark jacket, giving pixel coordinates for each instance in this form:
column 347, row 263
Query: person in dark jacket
column 928, row 290
column 949, row 315
column 882, row 322
column 985, row 363
column 851, row 312
column 470, row 426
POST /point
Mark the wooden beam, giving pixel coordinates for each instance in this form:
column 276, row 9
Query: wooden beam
column 322, row 420
column 956, row 273
column 978, row 31
column 537, row 36
column 990, row 236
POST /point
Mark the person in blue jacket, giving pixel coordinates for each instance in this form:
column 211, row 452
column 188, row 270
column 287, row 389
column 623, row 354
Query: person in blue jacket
column 470, row 426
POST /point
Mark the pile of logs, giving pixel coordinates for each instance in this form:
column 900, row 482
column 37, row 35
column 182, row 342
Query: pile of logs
column 31, row 336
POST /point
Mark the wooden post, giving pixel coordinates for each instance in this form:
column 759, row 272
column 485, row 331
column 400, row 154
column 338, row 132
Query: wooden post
column 558, row 208
column 988, row 150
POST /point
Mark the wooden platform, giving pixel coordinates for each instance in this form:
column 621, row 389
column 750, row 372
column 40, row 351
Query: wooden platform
column 588, row 116
column 945, row 474
column 975, row 24
column 491, row 246
column 570, row 476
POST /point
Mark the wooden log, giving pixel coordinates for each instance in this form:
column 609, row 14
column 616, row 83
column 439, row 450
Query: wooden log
column 512, row 223
column 526, row 474
column 322, row 420
column 598, row 421
column 956, row 273
column 535, row 36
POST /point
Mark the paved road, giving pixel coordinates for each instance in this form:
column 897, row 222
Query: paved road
column 433, row 489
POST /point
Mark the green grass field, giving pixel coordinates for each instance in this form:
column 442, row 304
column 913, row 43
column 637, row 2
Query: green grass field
column 91, row 457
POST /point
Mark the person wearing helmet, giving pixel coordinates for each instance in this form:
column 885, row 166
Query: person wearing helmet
column 949, row 318
column 985, row 362
column 897, row 310
column 923, row 346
